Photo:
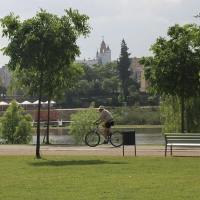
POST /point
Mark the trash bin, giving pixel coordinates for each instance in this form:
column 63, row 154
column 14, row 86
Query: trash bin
column 124, row 104
column 129, row 139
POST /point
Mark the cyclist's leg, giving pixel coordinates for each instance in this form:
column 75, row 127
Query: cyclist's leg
column 106, row 131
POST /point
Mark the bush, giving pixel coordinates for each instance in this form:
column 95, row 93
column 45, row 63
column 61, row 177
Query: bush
column 82, row 123
column 16, row 128
column 152, row 100
column 136, row 116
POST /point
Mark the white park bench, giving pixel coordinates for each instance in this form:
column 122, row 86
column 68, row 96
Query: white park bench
column 181, row 139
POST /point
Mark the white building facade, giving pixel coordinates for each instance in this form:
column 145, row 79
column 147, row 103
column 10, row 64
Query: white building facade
column 102, row 57
column 5, row 76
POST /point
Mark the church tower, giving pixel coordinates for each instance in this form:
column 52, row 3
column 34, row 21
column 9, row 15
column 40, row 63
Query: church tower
column 105, row 53
column 103, row 46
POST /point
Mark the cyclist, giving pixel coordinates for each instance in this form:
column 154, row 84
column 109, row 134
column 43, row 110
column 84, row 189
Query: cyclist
column 106, row 117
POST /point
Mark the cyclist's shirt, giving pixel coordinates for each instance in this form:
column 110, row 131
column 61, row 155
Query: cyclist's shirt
column 105, row 116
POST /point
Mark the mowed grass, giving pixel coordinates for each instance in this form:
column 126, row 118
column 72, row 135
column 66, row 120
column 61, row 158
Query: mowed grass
column 98, row 177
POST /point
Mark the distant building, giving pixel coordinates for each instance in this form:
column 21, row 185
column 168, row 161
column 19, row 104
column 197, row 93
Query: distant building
column 138, row 73
column 102, row 57
column 144, row 82
column 136, row 68
column 88, row 62
column 5, row 76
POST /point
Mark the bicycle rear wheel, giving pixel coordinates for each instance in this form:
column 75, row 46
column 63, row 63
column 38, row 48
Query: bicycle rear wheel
column 116, row 139
column 92, row 139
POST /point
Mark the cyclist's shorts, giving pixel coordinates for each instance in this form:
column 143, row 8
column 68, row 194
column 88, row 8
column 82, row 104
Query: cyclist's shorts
column 109, row 124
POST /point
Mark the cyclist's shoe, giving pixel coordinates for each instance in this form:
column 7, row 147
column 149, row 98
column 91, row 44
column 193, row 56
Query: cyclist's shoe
column 105, row 142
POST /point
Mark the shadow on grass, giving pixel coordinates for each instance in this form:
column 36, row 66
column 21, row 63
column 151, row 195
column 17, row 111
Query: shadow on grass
column 47, row 162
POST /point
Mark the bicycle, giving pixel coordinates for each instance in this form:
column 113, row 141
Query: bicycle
column 92, row 138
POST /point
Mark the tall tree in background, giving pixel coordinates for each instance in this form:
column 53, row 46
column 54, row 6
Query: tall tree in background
column 174, row 69
column 124, row 62
column 44, row 43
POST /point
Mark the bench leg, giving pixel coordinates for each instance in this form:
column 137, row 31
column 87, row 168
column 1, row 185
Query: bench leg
column 171, row 150
column 165, row 150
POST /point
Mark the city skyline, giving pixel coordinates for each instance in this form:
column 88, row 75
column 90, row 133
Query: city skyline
column 138, row 22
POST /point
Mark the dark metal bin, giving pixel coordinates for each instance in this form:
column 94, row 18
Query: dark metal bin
column 129, row 139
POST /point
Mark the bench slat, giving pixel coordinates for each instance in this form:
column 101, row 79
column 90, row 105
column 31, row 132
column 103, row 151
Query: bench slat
column 174, row 139
column 182, row 144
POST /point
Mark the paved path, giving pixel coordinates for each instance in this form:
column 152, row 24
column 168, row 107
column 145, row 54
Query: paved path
column 100, row 150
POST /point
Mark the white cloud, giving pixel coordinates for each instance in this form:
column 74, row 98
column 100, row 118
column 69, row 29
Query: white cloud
column 153, row 18
column 173, row 1
column 124, row 2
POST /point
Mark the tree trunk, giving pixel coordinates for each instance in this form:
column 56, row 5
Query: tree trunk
column 182, row 114
column 49, row 98
column 38, row 119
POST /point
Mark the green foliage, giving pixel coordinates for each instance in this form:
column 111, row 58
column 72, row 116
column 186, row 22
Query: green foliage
column 136, row 116
column 3, row 90
column 152, row 100
column 83, row 86
column 98, row 80
column 133, row 96
column 124, row 62
column 174, row 68
column 192, row 115
column 110, row 85
column 16, row 128
column 121, row 97
column 130, row 88
column 171, row 115
column 82, row 123
column 42, row 50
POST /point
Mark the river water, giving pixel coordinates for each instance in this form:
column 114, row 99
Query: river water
column 141, row 138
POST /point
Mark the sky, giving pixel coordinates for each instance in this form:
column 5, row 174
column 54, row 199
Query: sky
column 138, row 22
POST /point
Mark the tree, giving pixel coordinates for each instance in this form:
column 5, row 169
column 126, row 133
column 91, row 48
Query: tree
column 54, row 86
column 133, row 96
column 121, row 97
column 127, row 84
column 44, row 44
column 15, row 127
column 89, row 75
column 106, row 71
column 110, row 85
column 174, row 69
column 85, row 87
column 124, row 62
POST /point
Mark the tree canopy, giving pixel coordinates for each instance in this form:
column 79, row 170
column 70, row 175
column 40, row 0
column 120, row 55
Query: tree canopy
column 124, row 62
column 43, row 48
column 174, row 68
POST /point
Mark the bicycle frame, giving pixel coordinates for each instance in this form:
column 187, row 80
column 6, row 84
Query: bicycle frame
column 100, row 131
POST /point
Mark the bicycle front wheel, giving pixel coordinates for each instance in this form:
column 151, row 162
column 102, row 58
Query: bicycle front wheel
column 92, row 139
column 116, row 139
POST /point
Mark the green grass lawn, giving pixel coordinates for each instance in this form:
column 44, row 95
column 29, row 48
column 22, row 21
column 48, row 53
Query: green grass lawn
column 95, row 178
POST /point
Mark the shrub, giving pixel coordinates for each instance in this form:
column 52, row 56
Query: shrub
column 136, row 116
column 82, row 123
column 16, row 128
